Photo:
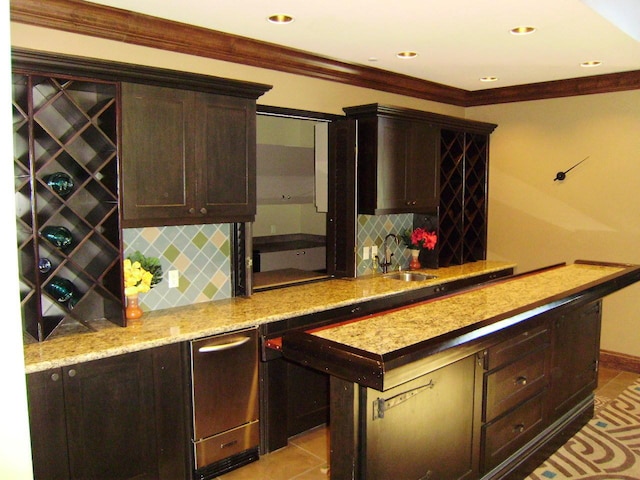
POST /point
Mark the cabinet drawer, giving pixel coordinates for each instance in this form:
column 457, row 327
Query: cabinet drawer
column 518, row 346
column 514, row 383
column 504, row 436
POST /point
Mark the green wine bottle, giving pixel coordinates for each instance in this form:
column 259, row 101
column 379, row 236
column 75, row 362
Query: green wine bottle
column 61, row 289
column 60, row 182
column 58, row 236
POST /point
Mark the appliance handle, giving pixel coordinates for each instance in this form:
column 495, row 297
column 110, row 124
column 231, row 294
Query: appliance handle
column 223, row 346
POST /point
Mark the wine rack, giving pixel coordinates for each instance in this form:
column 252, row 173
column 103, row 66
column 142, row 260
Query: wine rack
column 66, row 166
column 463, row 197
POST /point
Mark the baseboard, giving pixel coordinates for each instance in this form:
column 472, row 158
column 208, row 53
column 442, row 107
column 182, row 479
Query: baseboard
column 619, row 361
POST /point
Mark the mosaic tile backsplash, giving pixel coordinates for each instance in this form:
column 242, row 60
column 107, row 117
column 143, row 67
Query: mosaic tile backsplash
column 201, row 253
column 372, row 229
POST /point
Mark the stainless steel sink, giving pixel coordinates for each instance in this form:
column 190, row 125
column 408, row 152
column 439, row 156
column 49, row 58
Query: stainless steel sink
column 409, row 276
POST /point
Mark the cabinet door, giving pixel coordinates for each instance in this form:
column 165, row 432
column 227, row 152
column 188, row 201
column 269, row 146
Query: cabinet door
column 424, row 428
column 576, row 345
column 158, row 171
column 226, row 153
column 47, row 421
column 110, row 418
column 407, row 163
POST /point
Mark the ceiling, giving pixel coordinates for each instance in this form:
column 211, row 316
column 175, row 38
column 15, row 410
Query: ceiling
column 457, row 41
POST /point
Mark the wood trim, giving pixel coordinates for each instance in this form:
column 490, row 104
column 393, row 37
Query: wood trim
column 619, row 361
column 120, row 25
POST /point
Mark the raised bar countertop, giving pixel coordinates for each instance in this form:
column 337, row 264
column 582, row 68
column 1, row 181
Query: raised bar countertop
column 178, row 324
column 392, row 339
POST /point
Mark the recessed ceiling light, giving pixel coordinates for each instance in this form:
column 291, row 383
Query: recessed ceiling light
column 373, row 59
column 407, row 54
column 591, row 63
column 280, row 18
column 489, row 79
column 523, row 30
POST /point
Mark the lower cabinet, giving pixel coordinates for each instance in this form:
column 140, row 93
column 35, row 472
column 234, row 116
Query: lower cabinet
column 121, row 417
column 576, row 350
column 543, row 374
column 495, row 412
column 422, row 429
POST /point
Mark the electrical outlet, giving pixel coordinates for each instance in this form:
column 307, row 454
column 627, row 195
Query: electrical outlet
column 365, row 253
column 374, row 251
column 273, row 229
column 174, row 278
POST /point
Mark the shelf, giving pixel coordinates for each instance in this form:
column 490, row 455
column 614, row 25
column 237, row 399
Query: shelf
column 67, row 126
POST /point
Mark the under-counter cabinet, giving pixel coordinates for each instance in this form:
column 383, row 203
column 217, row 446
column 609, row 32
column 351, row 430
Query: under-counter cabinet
column 187, row 157
column 117, row 418
column 433, row 413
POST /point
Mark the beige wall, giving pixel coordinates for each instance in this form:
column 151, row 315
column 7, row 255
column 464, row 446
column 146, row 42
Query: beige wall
column 593, row 214
column 533, row 221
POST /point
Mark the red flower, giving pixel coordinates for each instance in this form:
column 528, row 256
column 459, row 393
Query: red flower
column 420, row 238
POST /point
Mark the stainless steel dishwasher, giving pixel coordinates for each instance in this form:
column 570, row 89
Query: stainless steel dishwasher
column 224, row 373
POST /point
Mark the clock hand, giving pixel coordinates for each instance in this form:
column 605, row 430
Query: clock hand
column 563, row 175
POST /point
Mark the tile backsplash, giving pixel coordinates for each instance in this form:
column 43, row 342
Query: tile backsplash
column 372, row 229
column 200, row 253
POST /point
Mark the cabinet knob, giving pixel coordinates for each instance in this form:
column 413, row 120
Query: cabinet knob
column 519, row 428
column 521, row 381
column 72, row 372
column 203, row 211
column 192, row 211
column 55, row 377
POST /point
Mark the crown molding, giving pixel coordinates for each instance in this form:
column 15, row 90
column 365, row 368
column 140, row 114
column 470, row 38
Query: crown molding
column 95, row 20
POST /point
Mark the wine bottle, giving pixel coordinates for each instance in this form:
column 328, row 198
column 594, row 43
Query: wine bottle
column 60, row 182
column 61, row 289
column 58, row 236
column 44, row 265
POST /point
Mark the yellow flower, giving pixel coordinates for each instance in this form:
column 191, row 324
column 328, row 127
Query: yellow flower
column 136, row 278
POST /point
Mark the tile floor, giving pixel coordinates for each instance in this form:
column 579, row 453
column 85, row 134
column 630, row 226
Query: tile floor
column 306, row 456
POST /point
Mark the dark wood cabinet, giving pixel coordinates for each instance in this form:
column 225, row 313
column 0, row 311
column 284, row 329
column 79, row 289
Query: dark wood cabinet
column 194, row 163
column 388, row 160
column 397, row 161
column 422, row 428
column 122, row 417
column 576, row 349
column 515, row 391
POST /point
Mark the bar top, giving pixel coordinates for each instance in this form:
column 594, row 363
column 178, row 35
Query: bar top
column 389, row 332
column 380, row 349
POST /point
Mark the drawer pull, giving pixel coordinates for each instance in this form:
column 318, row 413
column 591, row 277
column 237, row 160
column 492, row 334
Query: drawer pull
column 519, row 428
column 218, row 347
column 521, row 381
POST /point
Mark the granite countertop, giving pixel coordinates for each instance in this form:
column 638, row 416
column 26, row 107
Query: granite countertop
column 404, row 327
column 178, row 324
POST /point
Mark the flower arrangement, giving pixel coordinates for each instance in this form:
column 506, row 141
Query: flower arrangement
column 419, row 239
column 141, row 273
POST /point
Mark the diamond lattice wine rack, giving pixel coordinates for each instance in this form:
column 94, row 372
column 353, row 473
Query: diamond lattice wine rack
column 66, row 191
column 463, row 193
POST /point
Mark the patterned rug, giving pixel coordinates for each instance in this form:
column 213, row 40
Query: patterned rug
column 607, row 448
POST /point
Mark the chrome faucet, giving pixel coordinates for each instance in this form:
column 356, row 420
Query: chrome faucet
column 387, row 254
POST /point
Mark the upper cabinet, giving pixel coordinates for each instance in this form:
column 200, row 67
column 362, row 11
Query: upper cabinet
column 194, row 163
column 397, row 160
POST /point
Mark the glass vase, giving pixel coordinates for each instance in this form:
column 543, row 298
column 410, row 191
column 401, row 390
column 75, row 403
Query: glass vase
column 133, row 311
column 414, row 264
